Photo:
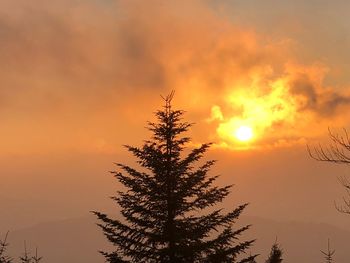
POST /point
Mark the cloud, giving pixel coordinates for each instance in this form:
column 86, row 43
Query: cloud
column 83, row 68
column 287, row 107
column 323, row 101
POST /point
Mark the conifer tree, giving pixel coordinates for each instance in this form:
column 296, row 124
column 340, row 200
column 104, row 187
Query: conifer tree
column 252, row 259
column 328, row 255
column 25, row 258
column 36, row 258
column 275, row 254
column 164, row 204
column 3, row 246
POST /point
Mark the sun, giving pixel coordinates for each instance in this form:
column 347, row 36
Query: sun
column 244, row 133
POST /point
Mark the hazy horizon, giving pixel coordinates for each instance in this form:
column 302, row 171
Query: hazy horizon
column 82, row 78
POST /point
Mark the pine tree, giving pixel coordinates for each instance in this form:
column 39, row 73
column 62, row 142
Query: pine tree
column 275, row 254
column 329, row 254
column 3, row 246
column 252, row 259
column 25, row 258
column 36, row 258
column 164, row 204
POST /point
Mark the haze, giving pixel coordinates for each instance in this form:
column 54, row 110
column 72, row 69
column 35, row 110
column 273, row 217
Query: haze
column 82, row 78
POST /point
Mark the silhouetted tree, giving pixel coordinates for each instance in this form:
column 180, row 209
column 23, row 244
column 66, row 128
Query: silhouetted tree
column 3, row 246
column 275, row 254
column 252, row 260
column 36, row 258
column 25, row 258
column 338, row 152
column 328, row 255
column 163, row 205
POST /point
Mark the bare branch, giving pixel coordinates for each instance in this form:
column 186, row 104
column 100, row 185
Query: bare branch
column 338, row 152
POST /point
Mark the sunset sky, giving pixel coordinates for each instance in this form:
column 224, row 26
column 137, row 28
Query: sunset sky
column 260, row 79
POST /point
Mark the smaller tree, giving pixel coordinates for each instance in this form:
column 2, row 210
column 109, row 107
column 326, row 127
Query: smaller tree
column 275, row 254
column 25, row 258
column 3, row 247
column 328, row 255
column 36, row 258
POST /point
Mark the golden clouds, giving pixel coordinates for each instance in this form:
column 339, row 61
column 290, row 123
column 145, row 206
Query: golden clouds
column 281, row 108
column 258, row 109
column 84, row 68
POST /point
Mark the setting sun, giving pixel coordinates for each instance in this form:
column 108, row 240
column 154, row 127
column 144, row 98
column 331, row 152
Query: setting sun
column 244, row 133
column 140, row 131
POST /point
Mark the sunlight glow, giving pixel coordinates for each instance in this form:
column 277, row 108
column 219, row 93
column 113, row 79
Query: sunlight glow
column 255, row 113
column 244, row 133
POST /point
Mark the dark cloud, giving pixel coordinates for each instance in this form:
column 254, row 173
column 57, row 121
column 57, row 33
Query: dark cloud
column 320, row 100
column 332, row 101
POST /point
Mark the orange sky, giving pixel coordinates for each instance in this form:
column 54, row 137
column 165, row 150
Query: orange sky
column 81, row 78
column 72, row 72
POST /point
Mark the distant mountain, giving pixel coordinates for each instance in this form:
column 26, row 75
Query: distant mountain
column 78, row 240
column 300, row 241
column 67, row 241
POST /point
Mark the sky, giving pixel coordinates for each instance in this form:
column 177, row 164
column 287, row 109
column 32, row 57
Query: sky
column 82, row 78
